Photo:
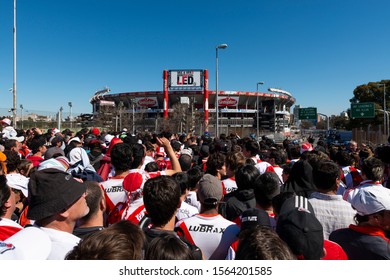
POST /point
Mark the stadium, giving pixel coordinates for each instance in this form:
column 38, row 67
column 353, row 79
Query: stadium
column 186, row 103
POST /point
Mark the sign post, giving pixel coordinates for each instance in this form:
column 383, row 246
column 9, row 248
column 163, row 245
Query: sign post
column 363, row 110
column 308, row 113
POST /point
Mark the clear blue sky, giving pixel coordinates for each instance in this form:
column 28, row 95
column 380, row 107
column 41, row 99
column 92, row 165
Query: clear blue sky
column 318, row 50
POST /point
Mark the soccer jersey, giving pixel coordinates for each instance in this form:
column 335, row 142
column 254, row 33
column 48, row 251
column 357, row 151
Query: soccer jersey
column 113, row 192
column 350, row 176
column 186, row 211
column 229, row 185
column 8, row 228
column 192, row 199
column 205, row 231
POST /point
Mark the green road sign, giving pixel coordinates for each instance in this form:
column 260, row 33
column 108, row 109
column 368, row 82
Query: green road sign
column 363, row 110
column 308, row 113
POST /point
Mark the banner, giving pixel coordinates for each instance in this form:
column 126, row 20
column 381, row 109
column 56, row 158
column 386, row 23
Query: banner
column 227, row 101
column 146, row 102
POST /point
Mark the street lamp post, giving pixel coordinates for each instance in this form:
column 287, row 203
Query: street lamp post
column 70, row 113
column 14, row 85
column 60, row 118
column 384, row 108
column 222, row 46
column 21, row 114
column 257, row 108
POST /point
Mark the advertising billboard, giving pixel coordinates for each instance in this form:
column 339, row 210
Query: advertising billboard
column 185, row 80
column 147, row 102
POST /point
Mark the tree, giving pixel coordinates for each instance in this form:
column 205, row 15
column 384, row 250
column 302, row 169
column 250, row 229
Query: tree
column 371, row 92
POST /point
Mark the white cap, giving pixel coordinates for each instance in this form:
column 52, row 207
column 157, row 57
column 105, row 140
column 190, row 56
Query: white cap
column 30, row 243
column 6, row 121
column 76, row 139
column 108, row 138
column 19, row 182
column 371, row 200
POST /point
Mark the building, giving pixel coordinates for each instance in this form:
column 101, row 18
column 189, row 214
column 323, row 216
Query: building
column 186, row 103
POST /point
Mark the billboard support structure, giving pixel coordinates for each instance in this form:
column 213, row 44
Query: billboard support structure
column 165, row 77
column 206, row 100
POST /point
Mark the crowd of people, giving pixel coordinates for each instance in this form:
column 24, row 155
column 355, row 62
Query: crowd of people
column 107, row 195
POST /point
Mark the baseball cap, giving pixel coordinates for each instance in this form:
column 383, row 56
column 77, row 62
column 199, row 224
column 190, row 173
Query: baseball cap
column 210, row 190
column 54, row 151
column 30, row 243
column 160, row 152
column 300, row 229
column 6, row 121
column 75, row 139
column 253, row 217
column 371, row 200
column 186, row 151
column 306, row 147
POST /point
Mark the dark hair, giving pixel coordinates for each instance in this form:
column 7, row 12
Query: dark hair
column 93, row 198
column 194, row 176
column 121, row 157
column 24, row 167
column 182, row 179
column 293, row 151
column 9, row 144
column 279, row 199
column 325, row 175
column 5, row 193
column 138, row 155
column 343, row 158
column 278, row 157
column 252, row 147
column 262, row 243
column 161, row 199
column 151, row 167
column 185, row 162
column 168, row 246
column 120, row 241
column 246, row 176
column 215, row 162
column 266, row 186
column 13, row 160
column 373, row 168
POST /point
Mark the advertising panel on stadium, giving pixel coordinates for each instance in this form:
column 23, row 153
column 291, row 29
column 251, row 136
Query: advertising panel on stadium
column 185, row 79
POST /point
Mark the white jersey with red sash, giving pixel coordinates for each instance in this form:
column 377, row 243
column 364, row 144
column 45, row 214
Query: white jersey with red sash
column 205, row 231
column 229, row 185
column 350, row 176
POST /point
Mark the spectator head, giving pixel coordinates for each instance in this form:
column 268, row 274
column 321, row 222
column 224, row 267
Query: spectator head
column 161, row 199
column 234, row 160
column 246, row 176
column 121, row 157
column 120, row 241
column 168, row 246
column 326, row 176
column 266, row 186
column 372, row 169
column 262, row 243
column 300, row 229
column 55, row 195
column 210, row 191
column 194, row 175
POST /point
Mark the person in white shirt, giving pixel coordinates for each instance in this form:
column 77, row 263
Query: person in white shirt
column 185, row 210
column 57, row 201
column 205, row 230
